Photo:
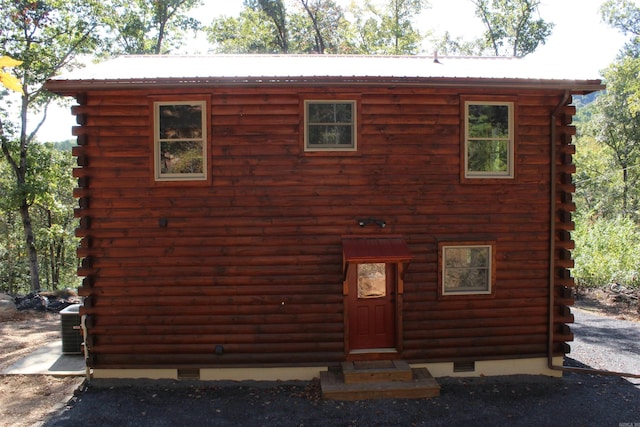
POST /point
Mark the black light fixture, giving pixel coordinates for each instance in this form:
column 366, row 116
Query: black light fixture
column 379, row 222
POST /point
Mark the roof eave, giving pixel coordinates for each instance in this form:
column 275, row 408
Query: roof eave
column 72, row 87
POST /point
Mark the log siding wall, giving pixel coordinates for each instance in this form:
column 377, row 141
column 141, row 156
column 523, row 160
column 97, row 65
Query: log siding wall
column 251, row 259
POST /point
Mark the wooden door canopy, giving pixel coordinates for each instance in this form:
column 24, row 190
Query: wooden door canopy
column 361, row 250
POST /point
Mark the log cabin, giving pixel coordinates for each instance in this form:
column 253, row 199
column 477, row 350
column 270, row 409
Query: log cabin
column 273, row 216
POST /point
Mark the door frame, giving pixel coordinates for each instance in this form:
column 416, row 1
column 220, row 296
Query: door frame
column 362, row 354
column 362, row 249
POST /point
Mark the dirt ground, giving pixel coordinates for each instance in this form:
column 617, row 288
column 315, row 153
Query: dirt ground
column 27, row 400
column 608, row 303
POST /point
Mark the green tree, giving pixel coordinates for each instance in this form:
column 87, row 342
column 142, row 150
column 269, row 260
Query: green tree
column 326, row 20
column 624, row 15
column 389, row 31
column 318, row 26
column 276, row 13
column 615, row 123
column 447, row 44
column 512, row 28
column 149, row 26
column 52, row 182
column 14, row 270
column 47, row 37
column 598, row 179
column 249, row 33
column 309, row 26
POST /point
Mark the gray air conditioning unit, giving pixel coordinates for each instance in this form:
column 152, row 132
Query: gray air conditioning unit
column 71, row 330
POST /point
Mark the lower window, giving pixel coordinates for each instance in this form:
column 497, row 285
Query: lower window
column 466, row 268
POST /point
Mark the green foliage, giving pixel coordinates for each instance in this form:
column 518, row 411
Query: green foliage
column 388, row 31
column 318, row 26
column 276, row 13
column 47, row 36
column 614, row 124
column 625, row 16
column 607, row 251
column 49, row 189
column 249, row 33
column 148, row 26
column 513, row 28
column 450, row 45
column 599, row 185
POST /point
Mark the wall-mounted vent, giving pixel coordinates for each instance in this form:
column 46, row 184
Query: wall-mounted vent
column 188, row 374
column 468, row 366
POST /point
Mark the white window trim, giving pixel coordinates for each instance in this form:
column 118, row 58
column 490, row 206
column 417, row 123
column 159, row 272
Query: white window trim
column 354, row 125
column 489, row 267
column 509, row 173
column 156, row 143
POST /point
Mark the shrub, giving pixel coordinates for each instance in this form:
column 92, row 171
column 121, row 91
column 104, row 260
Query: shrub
column 607, row 251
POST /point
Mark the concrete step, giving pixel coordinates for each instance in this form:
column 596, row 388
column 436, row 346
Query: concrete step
column 421, row 385
column 372, row 371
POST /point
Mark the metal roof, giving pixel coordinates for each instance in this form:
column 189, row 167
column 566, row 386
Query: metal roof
column 138, row 71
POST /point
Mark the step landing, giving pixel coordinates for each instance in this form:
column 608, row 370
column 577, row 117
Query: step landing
column 371, row 371
column 378, row 380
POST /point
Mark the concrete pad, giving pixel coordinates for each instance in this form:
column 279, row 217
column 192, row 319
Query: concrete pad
column 48, row 360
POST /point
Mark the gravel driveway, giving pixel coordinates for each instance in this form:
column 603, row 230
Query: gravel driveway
column 574, row 400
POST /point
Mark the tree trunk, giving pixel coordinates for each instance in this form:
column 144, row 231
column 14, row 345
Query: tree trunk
column 31, row 247
column 20, row 170
column 625, row 190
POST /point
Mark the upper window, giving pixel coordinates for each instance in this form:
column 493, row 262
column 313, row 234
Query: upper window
column 466, row 269
column 180, row 146
column 488, row 140
column 329, row 125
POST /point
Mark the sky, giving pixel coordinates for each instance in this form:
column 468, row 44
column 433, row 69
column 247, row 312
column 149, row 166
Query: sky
column 579, row 40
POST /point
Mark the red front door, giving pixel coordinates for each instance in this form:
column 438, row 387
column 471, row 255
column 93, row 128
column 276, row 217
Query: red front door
column 371, row 306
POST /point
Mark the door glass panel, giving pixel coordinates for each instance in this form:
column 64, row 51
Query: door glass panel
column 372, row 282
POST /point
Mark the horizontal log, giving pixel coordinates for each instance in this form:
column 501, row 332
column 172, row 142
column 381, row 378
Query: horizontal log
column 262, row 313
column 483, row 341
column 271, row 289
column 173, row 361
column 417, row 326
column 231, row 348
column 474, row 333
column 416, row 350
column 105, row 320
column 292, row 340
column 486, row 313
column 227, row 331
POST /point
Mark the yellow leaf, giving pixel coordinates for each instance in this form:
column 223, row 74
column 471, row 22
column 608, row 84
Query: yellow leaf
column 7, row 61
column 10, row 82
column 7, row 80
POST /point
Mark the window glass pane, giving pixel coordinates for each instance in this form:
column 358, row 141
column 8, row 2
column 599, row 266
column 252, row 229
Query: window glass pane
column 467, row 280
column 488, row 155
column 372, row 280
column 330, row 113
column 180, row 121
column 330, row 135
column 179, row 157
column 466, row 269
column 467, row 257
column 488, row 121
